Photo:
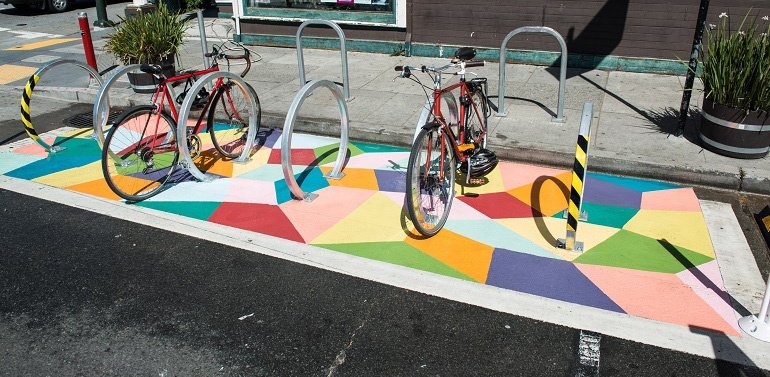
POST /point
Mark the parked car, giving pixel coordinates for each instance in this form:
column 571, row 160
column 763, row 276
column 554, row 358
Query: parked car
column 56, row 6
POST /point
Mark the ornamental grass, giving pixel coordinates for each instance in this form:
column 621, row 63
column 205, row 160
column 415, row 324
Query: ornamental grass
column 148, row 37
column 736, row 63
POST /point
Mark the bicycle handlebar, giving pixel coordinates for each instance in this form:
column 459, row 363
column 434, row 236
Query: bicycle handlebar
column 221, row 55
column 407, row 70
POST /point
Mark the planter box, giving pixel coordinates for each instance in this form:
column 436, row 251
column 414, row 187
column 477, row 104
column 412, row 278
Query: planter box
column 143, row 82
column 731, row 132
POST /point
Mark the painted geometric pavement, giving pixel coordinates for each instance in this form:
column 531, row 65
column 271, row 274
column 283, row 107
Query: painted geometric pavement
column 648, row 252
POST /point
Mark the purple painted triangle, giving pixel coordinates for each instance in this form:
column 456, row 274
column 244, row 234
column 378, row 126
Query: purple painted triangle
column 602, row 192
column 546, row 277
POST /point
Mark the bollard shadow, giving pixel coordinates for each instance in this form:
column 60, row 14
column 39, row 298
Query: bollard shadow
column 537, row 216
column 730, row 360
column 722, row 294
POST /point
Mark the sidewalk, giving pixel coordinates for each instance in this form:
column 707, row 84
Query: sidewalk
column 633, row 113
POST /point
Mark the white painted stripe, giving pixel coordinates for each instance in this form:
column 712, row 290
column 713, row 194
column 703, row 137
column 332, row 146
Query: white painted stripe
column 588, row 354
column 33, row 34
column 4, row 29
column 744, row 350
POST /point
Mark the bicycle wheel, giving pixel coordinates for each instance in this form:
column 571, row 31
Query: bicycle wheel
column 476, row 115
column 139, row 153
column 228, row 120
column 430, row 181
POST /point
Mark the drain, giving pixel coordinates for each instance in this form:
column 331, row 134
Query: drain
column 85, row 120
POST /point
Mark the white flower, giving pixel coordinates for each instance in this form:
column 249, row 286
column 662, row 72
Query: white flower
column 741, row 32
column 724, row 14
column 766, row 18
column 712, row 26
column 763, row 34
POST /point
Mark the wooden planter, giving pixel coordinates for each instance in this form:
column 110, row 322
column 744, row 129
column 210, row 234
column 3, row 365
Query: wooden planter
column 147, row 83
column 730, row 132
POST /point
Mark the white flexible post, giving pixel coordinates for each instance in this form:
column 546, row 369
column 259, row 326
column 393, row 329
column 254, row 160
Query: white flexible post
column 758, row 326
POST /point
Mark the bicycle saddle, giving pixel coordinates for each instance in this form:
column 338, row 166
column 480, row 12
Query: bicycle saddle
column 465, row 53
column 151, row 68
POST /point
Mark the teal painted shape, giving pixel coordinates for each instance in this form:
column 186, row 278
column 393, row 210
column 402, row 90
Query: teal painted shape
column 11, row 161
column 610, row 62
column 494, row 234
column 196, row 210
column 269, row 172
column 308, row 180
column 611, row 216
column 76, row 153
column 378, row 148
column 641, row 185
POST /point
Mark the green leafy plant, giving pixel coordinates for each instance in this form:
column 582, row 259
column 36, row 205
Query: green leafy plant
column 148, row 37
column 192, row 5
column 736, row 64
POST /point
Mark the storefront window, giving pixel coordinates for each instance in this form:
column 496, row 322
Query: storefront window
column 374, row 11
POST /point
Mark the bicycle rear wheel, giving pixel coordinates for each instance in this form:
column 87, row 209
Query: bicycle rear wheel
column 476, row 117
column 139, row 153
column 430, row 181
column 228, row 119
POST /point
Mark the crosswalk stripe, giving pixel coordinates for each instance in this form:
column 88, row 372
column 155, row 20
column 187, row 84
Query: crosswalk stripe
column 10, row 73
column 32, row 46
column 33, row 34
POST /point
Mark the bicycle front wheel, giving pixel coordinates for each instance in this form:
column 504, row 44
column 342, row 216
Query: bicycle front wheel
column 228, row 119
column 139, row 153
column 430, row 177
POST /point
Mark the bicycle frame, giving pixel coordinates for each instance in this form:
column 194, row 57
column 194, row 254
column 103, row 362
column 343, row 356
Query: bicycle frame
column 460, row 139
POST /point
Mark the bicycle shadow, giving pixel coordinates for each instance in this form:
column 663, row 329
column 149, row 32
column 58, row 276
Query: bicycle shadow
column 208, row 158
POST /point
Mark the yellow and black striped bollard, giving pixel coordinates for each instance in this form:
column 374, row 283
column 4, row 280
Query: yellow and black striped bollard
column 579, row 170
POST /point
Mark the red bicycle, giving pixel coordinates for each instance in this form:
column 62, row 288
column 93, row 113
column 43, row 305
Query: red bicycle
column 140, row 151
column 440, row 145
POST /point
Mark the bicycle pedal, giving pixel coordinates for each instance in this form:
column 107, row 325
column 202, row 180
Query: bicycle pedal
column 466, row 147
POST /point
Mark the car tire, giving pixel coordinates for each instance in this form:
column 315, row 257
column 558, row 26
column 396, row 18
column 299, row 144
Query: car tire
column 59, row 6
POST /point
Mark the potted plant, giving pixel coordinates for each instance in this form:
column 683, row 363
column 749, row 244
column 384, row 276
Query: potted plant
column 148, row 38
column 735, row 75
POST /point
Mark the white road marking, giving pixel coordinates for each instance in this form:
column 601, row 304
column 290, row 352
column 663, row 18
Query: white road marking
column 41, row 59
column 33, row 34
column 588, row 354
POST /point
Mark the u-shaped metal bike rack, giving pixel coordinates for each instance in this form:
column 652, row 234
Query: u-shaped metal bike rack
column 181, row 128
column 343, row 54
column 562, row 74
column 26, row 98
column 288, row 128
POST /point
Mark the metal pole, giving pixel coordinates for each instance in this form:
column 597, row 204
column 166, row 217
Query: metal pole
column 204, row 42
column 579, row 171
column 101, row 15
column 692, row 66
column 343, row 54
column 88, row 44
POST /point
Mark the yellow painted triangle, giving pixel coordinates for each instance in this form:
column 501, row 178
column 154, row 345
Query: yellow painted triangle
column 548, row 195
column 45, row 43
column 468, row 256
column 354, row 178
column 73, row 176
column 376, row 220
column 494, row 184
column 544, row 231
column 685, row 229
column 258, row 159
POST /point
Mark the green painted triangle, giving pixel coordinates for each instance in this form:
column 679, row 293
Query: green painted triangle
column 328, row 153
column 398, row 253
column 374, row 148
column 634, row 251
column 196, row 210
column 612, row 216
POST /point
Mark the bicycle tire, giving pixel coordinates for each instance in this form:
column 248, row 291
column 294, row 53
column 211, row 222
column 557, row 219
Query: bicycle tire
column 429, row 198
column 476, row 118
column 226, row 122
column 133, row 168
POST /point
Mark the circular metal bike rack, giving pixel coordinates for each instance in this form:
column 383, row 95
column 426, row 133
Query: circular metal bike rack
column 451, row 103
column 288, row 128
column 343, row 53
column 181, row 128
column 26, row 98
column 102, row 103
